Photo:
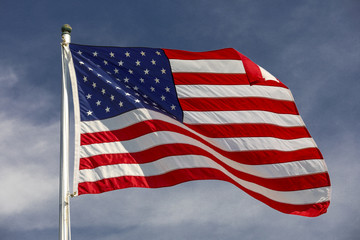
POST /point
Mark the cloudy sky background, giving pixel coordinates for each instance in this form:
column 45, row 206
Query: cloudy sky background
column 311, row 46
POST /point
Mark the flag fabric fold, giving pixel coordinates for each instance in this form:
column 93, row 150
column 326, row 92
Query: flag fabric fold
column 147, row 117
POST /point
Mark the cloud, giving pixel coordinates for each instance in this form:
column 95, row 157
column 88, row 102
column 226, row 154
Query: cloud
column 29, row 155
column 184, row 210
column 27, row 187
column 312, row 47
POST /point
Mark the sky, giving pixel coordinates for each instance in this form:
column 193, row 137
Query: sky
column 313, row 47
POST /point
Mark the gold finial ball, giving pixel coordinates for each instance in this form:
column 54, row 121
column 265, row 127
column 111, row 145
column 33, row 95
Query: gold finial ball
column 66, row 28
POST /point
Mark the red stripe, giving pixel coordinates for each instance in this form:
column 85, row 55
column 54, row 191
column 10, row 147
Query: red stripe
column 210, row 79
column 253, row 73
column 272, row 156
column 256, row 157
column 162, row 151
column 143, row 128
column 238, row 104
column 154, row 153
column 280, row 184
column 184, row 175
column 249, row 130
column 227, row 53
column 219, row 79
column 211, row 130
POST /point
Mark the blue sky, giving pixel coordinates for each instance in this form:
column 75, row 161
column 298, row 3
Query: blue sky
column 311, row 46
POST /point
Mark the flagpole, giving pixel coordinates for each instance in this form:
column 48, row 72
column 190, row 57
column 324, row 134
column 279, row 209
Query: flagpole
column 64, row 193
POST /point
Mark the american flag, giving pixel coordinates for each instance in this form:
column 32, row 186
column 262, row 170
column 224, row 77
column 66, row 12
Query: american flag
column 147, row 117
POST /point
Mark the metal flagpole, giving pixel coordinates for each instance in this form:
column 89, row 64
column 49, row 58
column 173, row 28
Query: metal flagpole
column 64, row 194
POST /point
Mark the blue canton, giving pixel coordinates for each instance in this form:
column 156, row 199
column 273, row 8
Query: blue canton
column 114, row 80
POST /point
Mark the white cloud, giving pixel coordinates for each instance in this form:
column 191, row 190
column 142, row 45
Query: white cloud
column 29, row 156
column 25, row 188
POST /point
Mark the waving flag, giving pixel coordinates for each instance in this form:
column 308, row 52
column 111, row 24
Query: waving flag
column 154, row 118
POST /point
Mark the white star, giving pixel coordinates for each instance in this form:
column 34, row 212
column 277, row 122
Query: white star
column 127, row 54
column 121, row 104
column 158, row 53
column 153, row 62
column 152, row 89
column 88, row 96
column 126, row 79
column 162, row 98
column 127, row 94
column 142, row 53
column 89, row 113
column 127, row 86
column 118, row 88
column 163, row 71
column 99, row 75
column 79, row 52
column 137, row 63
column 136, row 88
column 131, row 71
column 85, row 79
column 120, row 63
column 107, row 109
column 116, row 70
column 167, row 89
column 146, row 71
column 112, row 54
column 157, row 80
column 94, row 85
column 108, row 81
column 98, row 103
column 112, row 97
column 90, row 69
column 141, row 80
column 137, row 100
column 81, row 63
column 145, row 96
column 105, row 62
column 95, row 54
column 103, row 91
column 173, row 107
column 137, row 94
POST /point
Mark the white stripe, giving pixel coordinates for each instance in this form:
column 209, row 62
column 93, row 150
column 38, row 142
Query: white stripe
column 266, row 171
column 167, row 137
column 165, row 165
column 153, row 139
column 139, row 115
column 207, row 66
column 269, row 171
column 124, row 120
column 228, row 117
column 266, row 75
column 222, row 91
column 158, row 167
column 276, row 170
column 279, row 170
